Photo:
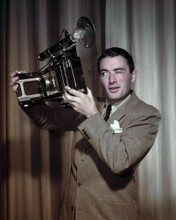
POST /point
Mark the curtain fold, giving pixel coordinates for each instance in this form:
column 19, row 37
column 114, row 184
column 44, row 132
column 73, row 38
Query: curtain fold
column 34, row 164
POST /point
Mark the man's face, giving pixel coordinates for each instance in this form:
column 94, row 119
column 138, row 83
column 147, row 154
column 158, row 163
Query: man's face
column 116, row 78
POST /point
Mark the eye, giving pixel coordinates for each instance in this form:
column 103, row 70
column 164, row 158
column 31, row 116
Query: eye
column 104, row 73
column 119, row 72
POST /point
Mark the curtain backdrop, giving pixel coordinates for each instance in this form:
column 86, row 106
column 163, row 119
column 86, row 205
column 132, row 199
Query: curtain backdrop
column 34, row 163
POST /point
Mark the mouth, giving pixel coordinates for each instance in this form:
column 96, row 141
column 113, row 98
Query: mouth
column 113, row 89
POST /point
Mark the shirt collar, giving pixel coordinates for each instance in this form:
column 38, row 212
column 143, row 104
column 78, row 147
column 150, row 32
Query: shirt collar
column 115, row 107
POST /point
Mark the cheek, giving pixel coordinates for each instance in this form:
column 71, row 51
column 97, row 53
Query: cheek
column 125, row 81
column 103, row 81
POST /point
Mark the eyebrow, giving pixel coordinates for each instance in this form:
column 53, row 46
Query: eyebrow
column 116, row 69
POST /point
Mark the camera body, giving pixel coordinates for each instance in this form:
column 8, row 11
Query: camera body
column 49, row 83
column 63, row 69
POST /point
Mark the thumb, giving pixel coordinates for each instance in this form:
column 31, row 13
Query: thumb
column 89, row 92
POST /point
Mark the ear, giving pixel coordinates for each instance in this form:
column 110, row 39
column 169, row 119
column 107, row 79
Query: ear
column 134, row 76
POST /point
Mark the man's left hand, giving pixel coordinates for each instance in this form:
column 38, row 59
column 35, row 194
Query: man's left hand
column 80, row 102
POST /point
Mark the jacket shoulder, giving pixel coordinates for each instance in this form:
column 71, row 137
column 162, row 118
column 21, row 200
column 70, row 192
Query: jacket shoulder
column 145, row 107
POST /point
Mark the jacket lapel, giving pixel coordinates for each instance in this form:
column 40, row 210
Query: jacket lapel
column 125, row 108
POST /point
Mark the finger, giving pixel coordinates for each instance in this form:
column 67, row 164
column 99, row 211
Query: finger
column 67, row 97
column 13, row 80
column 89, row 92
column 73, row 92
column 63, row 97
column 13, row 73
column 15, row 87
column 70, row 98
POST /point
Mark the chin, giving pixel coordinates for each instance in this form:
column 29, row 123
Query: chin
column 114, row 98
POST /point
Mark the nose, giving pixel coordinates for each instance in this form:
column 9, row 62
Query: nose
column 112, row 78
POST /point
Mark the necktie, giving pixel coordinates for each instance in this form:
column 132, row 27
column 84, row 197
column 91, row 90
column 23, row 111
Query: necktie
column 108, row 111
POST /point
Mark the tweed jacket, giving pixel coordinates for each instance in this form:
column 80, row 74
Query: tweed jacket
column 102, row 184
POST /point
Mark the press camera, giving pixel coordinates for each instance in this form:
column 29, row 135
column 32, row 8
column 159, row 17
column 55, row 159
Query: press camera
column 63, row 69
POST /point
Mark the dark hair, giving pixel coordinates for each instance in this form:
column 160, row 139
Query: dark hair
column 116, row 51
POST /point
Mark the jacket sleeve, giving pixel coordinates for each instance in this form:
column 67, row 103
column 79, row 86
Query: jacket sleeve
column 54, row 118
column 122, row 151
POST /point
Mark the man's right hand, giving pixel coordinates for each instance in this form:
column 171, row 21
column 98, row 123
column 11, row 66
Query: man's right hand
column 13, row 79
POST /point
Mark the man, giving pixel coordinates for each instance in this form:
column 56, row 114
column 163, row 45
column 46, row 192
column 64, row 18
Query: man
column 105, row 151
